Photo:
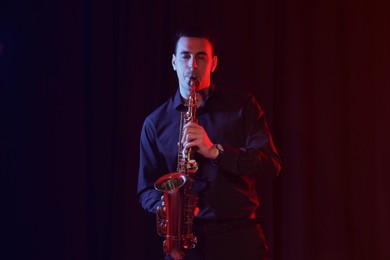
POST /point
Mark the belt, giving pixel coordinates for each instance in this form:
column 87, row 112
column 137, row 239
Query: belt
column 226, row 226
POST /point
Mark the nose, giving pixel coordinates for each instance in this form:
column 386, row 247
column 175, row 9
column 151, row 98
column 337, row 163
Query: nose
column 193, row 63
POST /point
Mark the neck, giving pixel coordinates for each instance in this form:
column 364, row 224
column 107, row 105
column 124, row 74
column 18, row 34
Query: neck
column 202, row 94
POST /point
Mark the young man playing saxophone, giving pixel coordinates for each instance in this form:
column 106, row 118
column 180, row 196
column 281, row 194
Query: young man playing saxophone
column 232, row 144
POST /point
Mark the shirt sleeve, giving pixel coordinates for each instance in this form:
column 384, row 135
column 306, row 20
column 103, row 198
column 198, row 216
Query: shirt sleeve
column 150, row 168
column 259, row 154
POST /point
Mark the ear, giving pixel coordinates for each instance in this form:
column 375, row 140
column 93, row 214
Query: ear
column 174, row 61
column 214, row 63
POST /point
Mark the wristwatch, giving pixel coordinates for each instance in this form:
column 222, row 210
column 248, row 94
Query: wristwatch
column 220, row 151
column 220, row 148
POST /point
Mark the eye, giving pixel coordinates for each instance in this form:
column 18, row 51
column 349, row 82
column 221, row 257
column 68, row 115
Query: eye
column 185, row 56
column 201, row 57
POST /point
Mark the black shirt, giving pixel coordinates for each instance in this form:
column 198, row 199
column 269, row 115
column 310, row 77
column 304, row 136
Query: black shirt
column 226, row 188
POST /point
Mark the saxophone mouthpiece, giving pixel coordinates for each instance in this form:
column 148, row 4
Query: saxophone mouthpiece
column 194, row 81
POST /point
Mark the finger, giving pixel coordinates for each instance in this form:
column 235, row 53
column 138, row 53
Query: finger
column 191, row 137
column 195, row 143
column 191, row 146
column 191, row 126
column 185, row 139
column 195, row 137
column 184, row 136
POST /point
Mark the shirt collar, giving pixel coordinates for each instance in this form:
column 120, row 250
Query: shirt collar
column 178, row 102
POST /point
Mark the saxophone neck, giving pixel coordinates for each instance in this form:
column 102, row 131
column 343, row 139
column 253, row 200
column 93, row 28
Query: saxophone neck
column 192, row 100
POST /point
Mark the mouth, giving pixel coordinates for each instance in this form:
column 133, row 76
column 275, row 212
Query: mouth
column 193, row 78
column 193, row 81
column 192, row 75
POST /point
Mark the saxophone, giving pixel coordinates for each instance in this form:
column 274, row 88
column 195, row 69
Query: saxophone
column 176, row 214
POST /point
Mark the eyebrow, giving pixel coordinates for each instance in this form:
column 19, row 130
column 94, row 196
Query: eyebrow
column 198, row 53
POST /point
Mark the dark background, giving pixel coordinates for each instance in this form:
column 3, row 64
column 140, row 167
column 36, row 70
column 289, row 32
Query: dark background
column 77, row 79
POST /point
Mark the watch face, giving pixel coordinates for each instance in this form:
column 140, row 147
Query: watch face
column 219, row 147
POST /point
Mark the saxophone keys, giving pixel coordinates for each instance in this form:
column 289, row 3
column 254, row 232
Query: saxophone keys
column 192, row 166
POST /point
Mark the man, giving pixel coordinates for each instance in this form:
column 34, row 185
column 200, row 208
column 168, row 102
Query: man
column 233, row 145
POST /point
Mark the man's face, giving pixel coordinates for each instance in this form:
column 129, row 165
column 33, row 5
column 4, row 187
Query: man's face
column 193, row 58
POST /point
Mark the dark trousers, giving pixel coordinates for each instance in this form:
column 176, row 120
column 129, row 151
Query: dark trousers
column 244, row 244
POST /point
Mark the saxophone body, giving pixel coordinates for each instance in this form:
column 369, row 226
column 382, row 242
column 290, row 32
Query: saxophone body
column 175, row 216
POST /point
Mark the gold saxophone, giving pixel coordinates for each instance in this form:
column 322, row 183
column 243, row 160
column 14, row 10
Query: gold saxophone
column 176, row 214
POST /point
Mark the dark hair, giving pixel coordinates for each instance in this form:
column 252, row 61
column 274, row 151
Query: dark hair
column 197, row 32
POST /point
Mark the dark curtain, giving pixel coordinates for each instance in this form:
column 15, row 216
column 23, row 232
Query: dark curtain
column 77, row 78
